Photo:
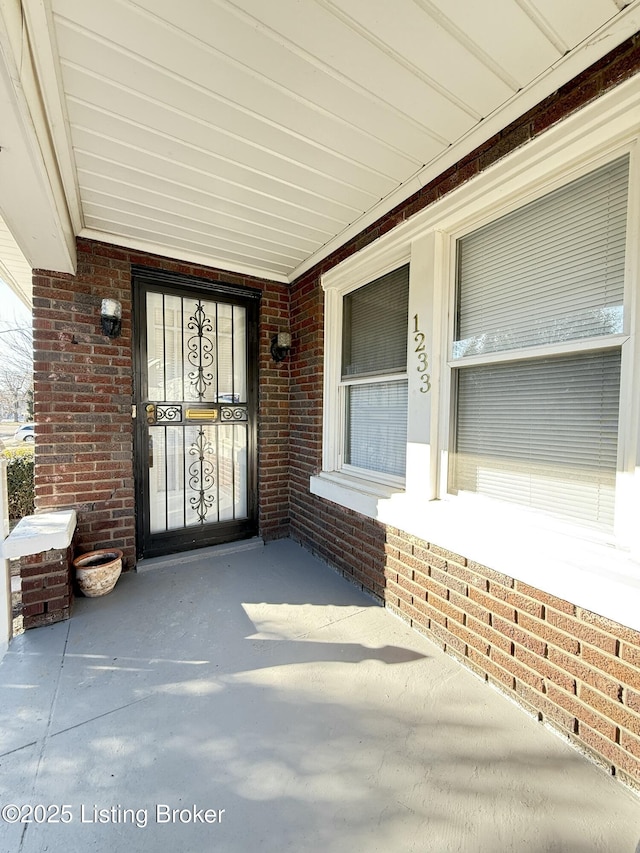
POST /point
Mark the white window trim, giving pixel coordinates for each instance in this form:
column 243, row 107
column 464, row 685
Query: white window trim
column 333, row 416
column 626, row 527
column 566, row 561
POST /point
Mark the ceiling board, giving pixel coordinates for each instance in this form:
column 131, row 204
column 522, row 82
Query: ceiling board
column 259, row 136
column 572, row 20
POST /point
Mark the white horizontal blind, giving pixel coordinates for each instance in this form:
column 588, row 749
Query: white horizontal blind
column 549, row 272
column 375, row 323
column 542, row 433
column 375, row 326
column 377, row 426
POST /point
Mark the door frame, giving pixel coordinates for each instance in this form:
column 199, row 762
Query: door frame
column 143, row 280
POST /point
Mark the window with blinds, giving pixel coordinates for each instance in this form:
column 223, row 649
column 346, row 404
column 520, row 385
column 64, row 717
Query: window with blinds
column 374, row 374
column 543, row 432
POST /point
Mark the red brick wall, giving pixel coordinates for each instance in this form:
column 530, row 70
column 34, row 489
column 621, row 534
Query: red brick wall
column 46, row 587
column 273, row 443
column 83, row 396
column 82, row 400
column 574, row 669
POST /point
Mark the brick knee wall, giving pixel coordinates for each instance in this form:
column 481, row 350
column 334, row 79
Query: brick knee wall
column 574, row 670
column 47, row 594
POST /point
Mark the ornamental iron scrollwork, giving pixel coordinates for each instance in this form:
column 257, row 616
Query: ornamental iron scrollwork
column 168, row 413
column 233, row 414
column 200, row 351
column 201, row 476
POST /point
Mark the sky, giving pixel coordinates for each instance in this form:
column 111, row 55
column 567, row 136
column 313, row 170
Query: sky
column 10, row 306
column 11, row 310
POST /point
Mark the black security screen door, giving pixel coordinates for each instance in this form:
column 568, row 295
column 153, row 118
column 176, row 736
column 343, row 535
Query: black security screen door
column 195, row 412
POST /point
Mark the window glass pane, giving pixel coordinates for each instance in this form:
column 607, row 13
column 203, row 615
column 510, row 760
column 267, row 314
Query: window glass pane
column 199, row 317
column 157, row 480
column 166, row 484
column 224, row 352
column 542, row 433
column 201, row 499
column 232, row 471
column 376, row 426
column 155, row 346
column 239, row 354
column 173, row 344
column 549, row 272
column 240, row 471
column 375, row 321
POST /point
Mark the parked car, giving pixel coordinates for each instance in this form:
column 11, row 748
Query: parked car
column 25, row 432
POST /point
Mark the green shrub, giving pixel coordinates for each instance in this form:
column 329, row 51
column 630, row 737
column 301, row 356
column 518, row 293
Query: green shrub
column 20, row 481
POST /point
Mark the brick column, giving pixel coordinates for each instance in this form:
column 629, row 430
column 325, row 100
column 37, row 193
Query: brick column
column 82, row 400
column 47, row 594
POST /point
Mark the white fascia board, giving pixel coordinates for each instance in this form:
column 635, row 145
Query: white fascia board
column 573, row 63
column 32, row 201
column 53, row 115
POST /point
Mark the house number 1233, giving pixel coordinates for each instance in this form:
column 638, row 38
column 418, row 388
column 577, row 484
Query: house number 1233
column 423, row 361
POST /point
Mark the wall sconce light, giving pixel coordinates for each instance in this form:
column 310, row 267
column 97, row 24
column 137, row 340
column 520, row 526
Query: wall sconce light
column 280, row 346
column 111, row 317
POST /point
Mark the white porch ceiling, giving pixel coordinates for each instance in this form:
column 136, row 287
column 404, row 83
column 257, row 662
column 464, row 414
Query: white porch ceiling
column 257, row 136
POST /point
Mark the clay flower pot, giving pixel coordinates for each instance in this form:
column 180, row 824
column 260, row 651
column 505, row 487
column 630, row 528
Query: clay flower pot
column 98, row 571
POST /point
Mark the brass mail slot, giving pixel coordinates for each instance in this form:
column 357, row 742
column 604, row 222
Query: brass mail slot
column 202, row 414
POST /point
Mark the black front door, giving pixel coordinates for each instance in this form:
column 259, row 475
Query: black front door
column 195, row 408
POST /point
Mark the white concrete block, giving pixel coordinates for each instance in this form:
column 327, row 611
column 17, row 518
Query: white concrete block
column 43, row 532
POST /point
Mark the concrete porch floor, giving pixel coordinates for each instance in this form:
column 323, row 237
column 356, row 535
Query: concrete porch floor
column 259, row 682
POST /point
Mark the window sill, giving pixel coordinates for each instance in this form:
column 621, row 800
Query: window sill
column 592, row 575
column 354, row 493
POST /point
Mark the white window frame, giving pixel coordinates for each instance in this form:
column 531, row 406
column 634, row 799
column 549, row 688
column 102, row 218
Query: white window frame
column 367, row 486
column 623, row 532
column 341, row 388
column 584, row 568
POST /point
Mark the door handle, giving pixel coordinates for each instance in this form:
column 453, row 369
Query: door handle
column 150, row 409
column 150, row 451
